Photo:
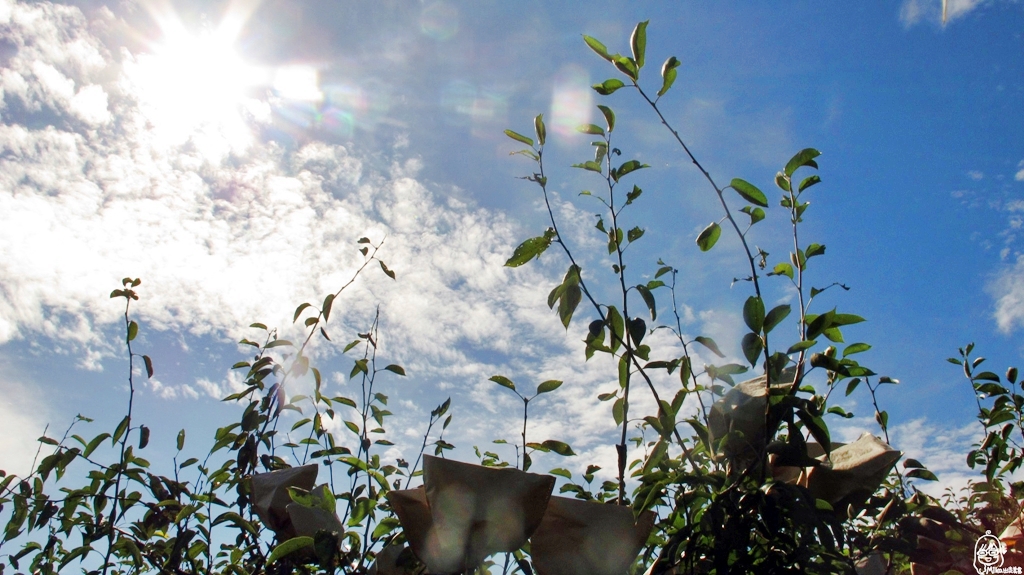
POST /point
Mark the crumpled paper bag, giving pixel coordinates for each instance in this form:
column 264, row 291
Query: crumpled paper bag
column 587, row 538
column 270, row 496
column 466, row 512
column 856, row 471
column 1013, row 535
column 387, row 561
column 742, row 409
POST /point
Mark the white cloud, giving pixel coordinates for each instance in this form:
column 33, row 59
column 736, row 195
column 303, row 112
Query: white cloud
column 1008, row 290
column 914, row 11
column 1019, row 176
column 24, row 412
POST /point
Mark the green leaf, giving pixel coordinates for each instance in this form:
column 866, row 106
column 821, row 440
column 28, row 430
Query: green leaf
column 609, row 117
column 328, row 304
column 668, row 74
column 608, row 86
column 749, row 192
column 149, row 365
column 503, row 381
column 590, row 129
column 627, row 167
column 568, row 302
column 519, row 137
column 385, row 269
column 814, row 250
column 617, row 411
column 637, row 330
column 753, row 313
column 840, row 319
column 133, row 330
column 395, row 369
column 558, row 447
column 816, row 425
column 833, row 334
column 181, row 440
column 538, row 126
column 597, row 47
column 298, row 311
column 549, row 385
column 782, row 269
column 775, row 317
column 852, row 385
column 618, row 328
column 279, row 343
column 625, row 65
column 922, row 474
column 783, row 183
column 802, row 158
column 752, row 348
column 94, row 443
column 143, row 436
column 288, row 547
column 560, row 472
column 808, row 182
column 529, row 249
column 633, row 195
column 359, row 365
column 800, row 346
column 710, row 344
column 684, row 370
column 707, row 238
column 119, row 431
column 840, row 412
column 756, row 214
column 638, row 43
column 648, row 298
column 819, row 323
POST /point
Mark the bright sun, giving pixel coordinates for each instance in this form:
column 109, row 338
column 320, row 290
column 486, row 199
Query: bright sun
column 195, row 87
column 193, row 83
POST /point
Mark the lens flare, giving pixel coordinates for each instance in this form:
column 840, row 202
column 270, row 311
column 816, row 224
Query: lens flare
column 571, row 101
column 440, row 21
column 298, row 82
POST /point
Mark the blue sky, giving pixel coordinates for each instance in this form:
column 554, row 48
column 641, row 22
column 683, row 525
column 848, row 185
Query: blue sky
column 230, row 155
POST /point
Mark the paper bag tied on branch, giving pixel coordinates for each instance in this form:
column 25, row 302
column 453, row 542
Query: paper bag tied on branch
column 270, row 496
column 466, row 512
column 742, row 410
column 856, row 471
column 587, row 538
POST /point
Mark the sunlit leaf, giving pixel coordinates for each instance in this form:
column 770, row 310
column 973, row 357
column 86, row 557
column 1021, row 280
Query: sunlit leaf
column 668, row 74
column 709, row 237
column 710, row 344
column 503, row 381
column 288, row 547
column 550, row 385
column 519, row 137
column 597, row 47
column 802, row 158
column 395, row 369
column 638, row 43
column 749, row 192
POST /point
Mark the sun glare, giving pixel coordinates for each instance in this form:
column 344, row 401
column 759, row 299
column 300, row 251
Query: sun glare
column 194, row 86
column 196, row 82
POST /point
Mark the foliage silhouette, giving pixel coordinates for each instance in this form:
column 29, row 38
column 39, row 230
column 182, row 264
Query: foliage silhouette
column 721, row 502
